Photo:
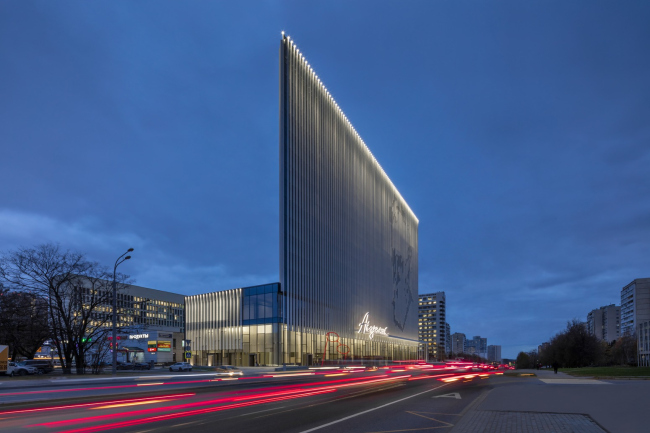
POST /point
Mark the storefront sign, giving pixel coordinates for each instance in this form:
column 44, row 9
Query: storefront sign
column 152, row 346
column 366, row 328
column 166, row 335
column 164, row 346
column 138, row 336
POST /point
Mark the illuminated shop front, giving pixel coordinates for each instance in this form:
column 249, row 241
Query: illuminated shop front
column 246, row 327
column 148, row 345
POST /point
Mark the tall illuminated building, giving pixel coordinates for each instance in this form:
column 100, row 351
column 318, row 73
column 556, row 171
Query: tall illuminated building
column 348, row 248
column 432, row 324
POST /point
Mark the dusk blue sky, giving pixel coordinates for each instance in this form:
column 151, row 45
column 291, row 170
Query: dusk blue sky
column 518, row 132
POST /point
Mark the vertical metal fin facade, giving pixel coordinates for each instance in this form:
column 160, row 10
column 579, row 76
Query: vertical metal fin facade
column 214, row 321
column 348, row 240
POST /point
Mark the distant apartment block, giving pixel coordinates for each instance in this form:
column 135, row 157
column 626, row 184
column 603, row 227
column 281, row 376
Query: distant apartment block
column 477, row 346
column 458, row 342
column 605, row 323
column 643, row 344
column 432, row 323
column 494, row 353
column 635, row 305
column 542, row 347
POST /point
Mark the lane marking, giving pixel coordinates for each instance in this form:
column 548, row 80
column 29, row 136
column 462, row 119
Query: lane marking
column 371, row 410
column 252, row 413
column 414, row 429
column 370, row 391
column 428, row 417
column 187, row 423
column 450, row 395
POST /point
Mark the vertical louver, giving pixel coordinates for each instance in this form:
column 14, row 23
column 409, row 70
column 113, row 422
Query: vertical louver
column 348, row 240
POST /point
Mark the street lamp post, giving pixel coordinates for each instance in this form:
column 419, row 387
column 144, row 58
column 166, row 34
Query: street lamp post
column 114, row 342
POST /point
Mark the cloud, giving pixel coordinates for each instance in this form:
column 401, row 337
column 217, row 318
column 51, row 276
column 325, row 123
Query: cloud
column 18, row 229
column 187, row 280
column 151, row 266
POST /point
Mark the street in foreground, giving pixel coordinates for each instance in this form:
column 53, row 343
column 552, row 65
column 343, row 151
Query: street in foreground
column 339, row 401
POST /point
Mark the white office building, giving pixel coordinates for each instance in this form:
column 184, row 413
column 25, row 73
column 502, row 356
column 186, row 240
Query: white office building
column 635, row 305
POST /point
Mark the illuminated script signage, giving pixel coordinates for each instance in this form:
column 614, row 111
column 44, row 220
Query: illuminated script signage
column 138, row 336
column 366, row 328
column 164, row 346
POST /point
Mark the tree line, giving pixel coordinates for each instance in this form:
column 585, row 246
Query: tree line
column 575, row 347
column 48, row 294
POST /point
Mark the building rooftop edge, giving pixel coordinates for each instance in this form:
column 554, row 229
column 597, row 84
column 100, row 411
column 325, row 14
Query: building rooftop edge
column 287, row 39
column 235, row 288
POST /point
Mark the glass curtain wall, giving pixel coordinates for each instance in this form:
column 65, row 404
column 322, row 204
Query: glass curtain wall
column 235, row 327
column 322, row 348
column 261, row 319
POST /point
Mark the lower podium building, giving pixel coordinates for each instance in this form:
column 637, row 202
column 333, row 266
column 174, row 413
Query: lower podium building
column 246, row 326
column 348, row 283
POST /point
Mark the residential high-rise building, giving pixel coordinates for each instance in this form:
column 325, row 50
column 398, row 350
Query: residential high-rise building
column 635, row 305
column 477, row 346
column 458, row 343
column 447, row 339
column 605, row 323
column 432, row 323
column 542, row 348
column 494, row 353
column 348, row 249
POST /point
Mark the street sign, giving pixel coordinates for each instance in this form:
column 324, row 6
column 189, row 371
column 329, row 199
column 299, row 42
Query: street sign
column 188, row 355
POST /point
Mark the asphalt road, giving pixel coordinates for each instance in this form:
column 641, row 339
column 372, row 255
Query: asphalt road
column 370, row 402
column 396, row 400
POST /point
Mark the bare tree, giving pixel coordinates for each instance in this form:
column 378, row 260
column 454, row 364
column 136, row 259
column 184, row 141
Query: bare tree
column 76, row 292
column 624, row 350
column 574, row 347
column 23, row 326
column 92, row 323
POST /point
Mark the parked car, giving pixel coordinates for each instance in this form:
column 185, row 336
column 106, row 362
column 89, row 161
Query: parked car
column 142, row 366
column 43, row 365
column 228, row 370
column 15, row 369
column 124, row 366
column 181, row 366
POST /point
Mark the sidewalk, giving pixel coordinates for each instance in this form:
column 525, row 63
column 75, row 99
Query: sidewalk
column 549, row 402
column 543, row 373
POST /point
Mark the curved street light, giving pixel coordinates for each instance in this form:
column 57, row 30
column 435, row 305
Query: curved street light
column 119, row 261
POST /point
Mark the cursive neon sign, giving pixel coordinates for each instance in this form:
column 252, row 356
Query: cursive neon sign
column 366, row 328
